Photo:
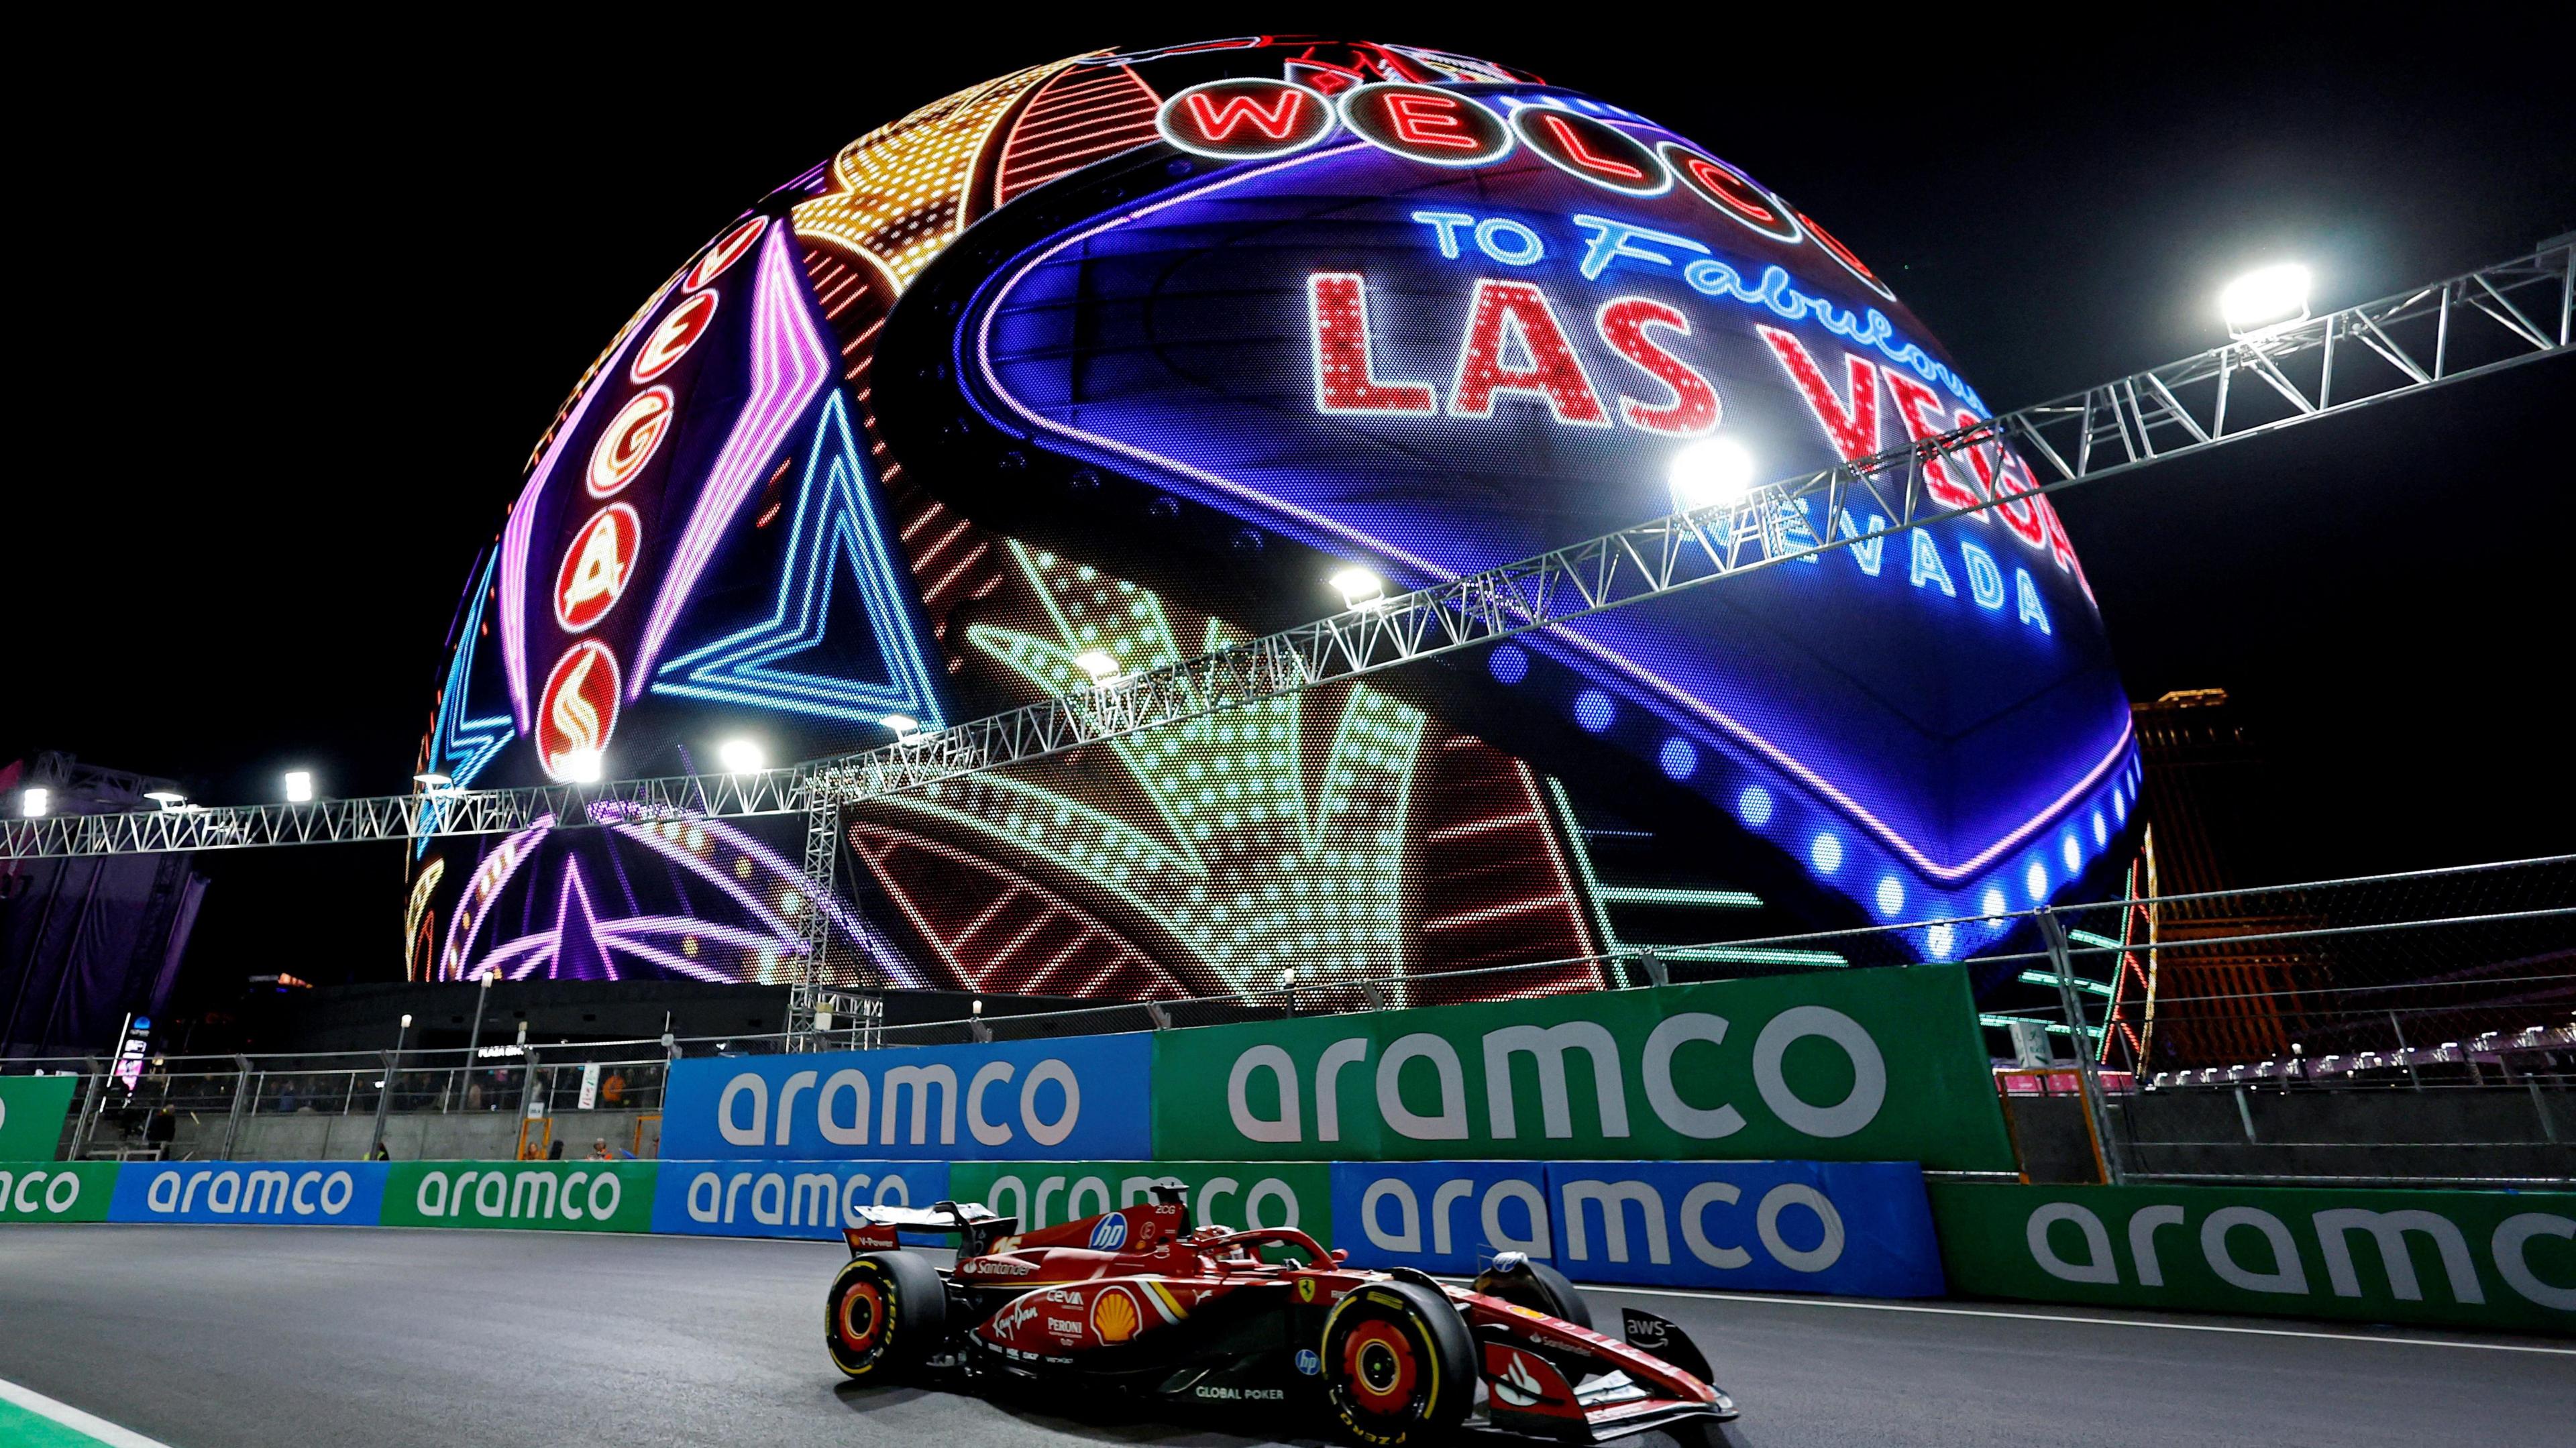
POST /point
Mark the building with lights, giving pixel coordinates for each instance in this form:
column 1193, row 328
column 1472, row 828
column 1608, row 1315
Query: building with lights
column 1120, row 359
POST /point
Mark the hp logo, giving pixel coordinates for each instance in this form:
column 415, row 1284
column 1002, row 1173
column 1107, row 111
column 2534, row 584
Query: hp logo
column 1111, row 1234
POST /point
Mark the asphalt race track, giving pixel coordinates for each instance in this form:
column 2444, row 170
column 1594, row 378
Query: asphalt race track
column 270, row 1337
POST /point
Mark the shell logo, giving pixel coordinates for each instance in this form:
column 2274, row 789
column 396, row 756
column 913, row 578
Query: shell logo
column 1114, row 1315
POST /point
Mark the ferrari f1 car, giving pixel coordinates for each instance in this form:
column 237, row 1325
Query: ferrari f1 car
column 1140, row 1302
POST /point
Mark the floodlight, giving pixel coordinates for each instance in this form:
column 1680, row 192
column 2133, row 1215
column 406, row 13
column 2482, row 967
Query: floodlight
column 1102, row 668
column 582, row 766
column 432, row 780
column 406, row 1020
column 903, row 725
column 742, row 756
column 2266, row 298
column 1712, row 472
column 35, row 802
column 299, row 786
column 166, row 798
column 1359, row 587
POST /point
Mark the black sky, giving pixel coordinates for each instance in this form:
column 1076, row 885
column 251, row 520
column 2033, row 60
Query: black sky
column 303, row 312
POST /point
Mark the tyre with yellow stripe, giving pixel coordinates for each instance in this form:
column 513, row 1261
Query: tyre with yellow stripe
column 886, row 1313
column 1399, row 1365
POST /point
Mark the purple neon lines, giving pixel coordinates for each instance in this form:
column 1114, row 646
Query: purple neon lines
column 789, row 366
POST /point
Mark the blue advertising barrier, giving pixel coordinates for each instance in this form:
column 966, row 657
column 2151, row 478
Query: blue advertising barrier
column 1852, row 1228
column 789, row 1198
column 301, row 1193
column 1440, row 1216
column 1082, row 1098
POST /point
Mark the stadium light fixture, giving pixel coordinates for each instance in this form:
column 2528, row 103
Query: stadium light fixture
column 904, row 725
column 1359, row 587
column 166, row 798
column 299, row 786
column 1098, row 663
column 742, row 756
column 2264, row 300
column 583, row 766
column 432, row 780
column 36, row 802
column 1713, row 472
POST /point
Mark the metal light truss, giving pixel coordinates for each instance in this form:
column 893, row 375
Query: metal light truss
column 401, row 816
column 2503, row 316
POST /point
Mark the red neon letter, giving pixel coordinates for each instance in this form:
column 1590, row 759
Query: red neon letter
column 2019, row 515
column 1694, row 408
column 1852, row 425
column 1219, row 123
column 1921, row 413
column 1500, row 314
column 1337, row 310
column 1584, row 156
column 1422, row 120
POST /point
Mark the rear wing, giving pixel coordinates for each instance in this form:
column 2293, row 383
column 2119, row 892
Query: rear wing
column 878, row 1229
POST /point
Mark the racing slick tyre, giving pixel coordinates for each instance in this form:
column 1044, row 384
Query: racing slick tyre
column 886, row 1313
column 1399, row 1365
column 1524, row 1281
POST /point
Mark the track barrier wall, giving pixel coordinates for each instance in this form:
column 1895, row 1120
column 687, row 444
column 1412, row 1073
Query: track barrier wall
column 1874, row 1065
column 32, row 1109
column 302, row 1193
column 1435, row 1136
column 56, row 1191
column 1082, row 1096
column 2499, row 1261
column 2493, row 1261
column 1850, row 1228
column 554, row 1196
column 812, row 1199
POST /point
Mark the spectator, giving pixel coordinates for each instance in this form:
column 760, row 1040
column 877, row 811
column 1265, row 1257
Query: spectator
column 554, row 1151
column 286, row 1095
column 380, row 1153
column 612, row 1092
column 599, row 1150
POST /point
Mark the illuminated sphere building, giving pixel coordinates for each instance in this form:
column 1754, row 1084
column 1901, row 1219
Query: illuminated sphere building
column 1132, row 352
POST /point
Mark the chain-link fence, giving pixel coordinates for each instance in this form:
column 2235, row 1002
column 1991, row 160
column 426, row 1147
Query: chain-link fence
column 2459, row 981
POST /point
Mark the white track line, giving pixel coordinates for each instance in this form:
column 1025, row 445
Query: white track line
column 74, row 1419
column 2071, row 1317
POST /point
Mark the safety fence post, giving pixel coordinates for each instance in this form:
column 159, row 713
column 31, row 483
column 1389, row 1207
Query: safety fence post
column 241, row 1104
column 2088, row 1079
column 89, row 1106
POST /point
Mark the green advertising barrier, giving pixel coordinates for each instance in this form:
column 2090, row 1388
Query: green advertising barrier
column 557, row 1196
column 32, row 1109
column 1222, row 1193
column 1863, row 1065
column 2504, row 1261
column 49, row 1191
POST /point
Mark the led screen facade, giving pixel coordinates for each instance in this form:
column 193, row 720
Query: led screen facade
column 1129, row 352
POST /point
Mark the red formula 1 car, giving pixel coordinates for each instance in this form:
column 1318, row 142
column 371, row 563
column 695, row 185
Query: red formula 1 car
column 1139, row 1302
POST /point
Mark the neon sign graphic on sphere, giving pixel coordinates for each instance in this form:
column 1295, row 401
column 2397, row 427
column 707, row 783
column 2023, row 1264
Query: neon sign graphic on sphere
column 1131, row 355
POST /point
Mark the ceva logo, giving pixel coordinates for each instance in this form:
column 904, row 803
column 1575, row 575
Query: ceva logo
column 523, row 1196
column 55, row 1193
column 2225, row 1241
column 261, row 1192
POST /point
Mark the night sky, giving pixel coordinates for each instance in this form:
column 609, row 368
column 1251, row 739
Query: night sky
column 306, row 313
